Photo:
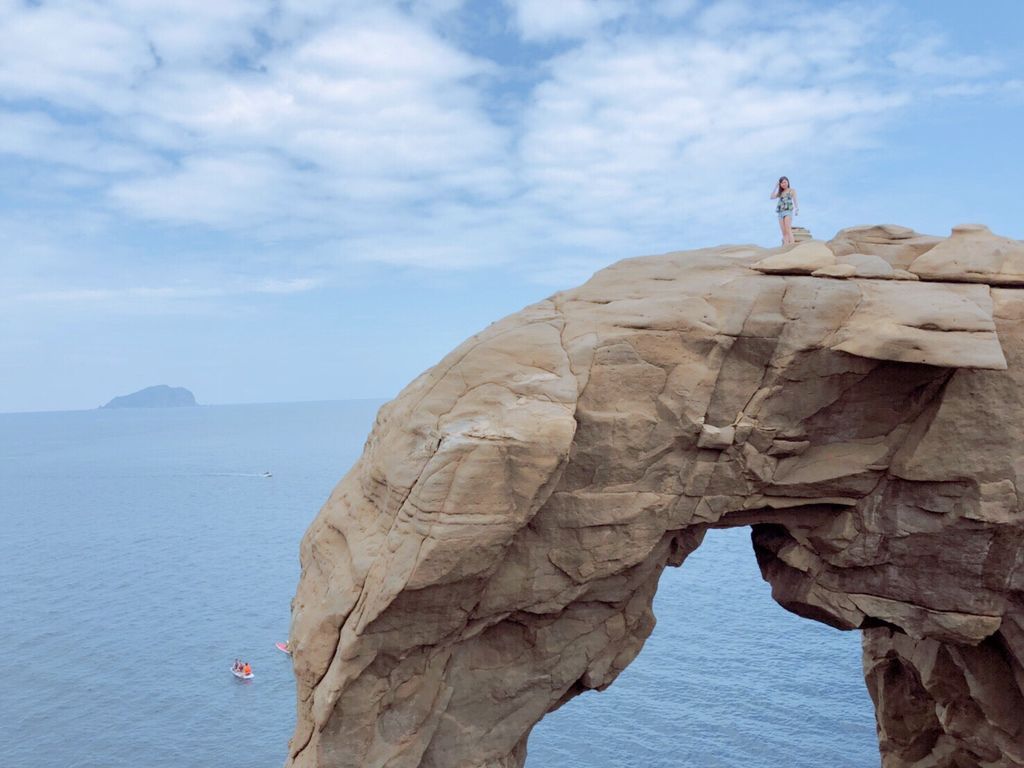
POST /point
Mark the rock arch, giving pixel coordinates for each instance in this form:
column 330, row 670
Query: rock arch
column 495, row 550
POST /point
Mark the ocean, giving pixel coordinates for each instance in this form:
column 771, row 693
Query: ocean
column 143, row 550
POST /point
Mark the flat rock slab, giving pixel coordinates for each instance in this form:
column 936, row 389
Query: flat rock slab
column 933, row 324
column 973, row 254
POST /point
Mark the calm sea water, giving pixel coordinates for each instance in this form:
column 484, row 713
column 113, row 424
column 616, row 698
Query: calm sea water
column 142, row 550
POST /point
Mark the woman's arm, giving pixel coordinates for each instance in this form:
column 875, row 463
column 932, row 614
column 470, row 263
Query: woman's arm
column 775, row 192
column 796, row 202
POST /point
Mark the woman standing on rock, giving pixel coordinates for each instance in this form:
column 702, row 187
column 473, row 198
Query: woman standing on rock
column 787, row 206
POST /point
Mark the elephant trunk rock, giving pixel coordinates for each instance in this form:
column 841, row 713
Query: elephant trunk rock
column 496, row 549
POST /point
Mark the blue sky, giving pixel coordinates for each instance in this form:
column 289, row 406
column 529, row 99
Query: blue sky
column 273, row 200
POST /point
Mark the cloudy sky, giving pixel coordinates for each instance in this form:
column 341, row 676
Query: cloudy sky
column 274, row 200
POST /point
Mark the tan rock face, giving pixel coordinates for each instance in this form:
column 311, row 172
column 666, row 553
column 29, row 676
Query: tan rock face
column 973, row 254
column 897, row 245
column 804, row 258
column 496, row 549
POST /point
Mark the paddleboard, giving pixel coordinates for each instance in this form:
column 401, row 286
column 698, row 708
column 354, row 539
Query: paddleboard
column 283, row 648
column 242, row 675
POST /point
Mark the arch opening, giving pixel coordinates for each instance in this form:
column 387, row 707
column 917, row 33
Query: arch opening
column 727, row 678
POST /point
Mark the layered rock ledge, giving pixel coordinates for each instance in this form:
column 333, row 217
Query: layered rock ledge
column 858, row 403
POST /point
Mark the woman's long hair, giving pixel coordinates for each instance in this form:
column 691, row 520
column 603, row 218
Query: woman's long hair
column 783, row 179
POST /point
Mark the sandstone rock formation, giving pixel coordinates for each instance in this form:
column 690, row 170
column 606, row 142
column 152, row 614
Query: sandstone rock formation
column 495, row 550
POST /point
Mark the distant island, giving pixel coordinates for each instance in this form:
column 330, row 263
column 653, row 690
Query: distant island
column 160, row 396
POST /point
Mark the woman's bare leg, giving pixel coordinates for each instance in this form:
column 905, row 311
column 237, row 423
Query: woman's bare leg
column 787, row 228
column 782, row 229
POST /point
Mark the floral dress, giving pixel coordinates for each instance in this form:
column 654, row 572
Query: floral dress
column 785, row 205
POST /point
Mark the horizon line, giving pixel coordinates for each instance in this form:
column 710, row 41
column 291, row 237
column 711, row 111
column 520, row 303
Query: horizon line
column 200, row 405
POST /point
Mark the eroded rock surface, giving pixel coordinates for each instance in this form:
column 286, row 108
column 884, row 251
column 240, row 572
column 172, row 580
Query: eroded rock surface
column 495, row 550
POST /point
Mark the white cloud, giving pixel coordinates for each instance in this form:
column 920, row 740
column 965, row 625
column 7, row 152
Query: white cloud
column 76, row 55
column 673, row 9
column 364, row 128
column 648, row 134
column 545, row 20
column 931, row 57
column 147, row 294
column 38, row 137
column 975, row 89
column 217, row 190
column 721, row 16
